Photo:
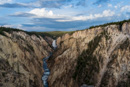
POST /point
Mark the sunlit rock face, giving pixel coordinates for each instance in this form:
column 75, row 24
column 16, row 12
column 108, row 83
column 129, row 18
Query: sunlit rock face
column 21, row 57
column 97, row 57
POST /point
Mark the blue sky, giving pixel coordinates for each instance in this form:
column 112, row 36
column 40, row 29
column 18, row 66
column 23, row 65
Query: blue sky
column 61, row 15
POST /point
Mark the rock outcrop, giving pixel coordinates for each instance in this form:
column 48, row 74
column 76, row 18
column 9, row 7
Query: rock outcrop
column 21, row 57
column 98, row 57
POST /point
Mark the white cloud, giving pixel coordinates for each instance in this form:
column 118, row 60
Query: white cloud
column 8, row 26
column 99, row 6
column 5, row 1
column 41, row 12
column 19, row 26
column 68, row 6
column 124, row 8
column 116, row 7
column 105, row 13
column 49, row 14
column 38, row 13
column 109, row 5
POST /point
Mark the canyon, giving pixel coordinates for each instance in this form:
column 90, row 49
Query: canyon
column 94, row 57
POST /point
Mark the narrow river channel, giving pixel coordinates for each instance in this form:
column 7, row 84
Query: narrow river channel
column 46, row 69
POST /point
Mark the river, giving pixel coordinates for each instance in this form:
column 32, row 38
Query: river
column 46, row 69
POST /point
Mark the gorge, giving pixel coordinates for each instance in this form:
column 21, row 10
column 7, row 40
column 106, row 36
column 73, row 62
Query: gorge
column 46, row 69
column 94, row 57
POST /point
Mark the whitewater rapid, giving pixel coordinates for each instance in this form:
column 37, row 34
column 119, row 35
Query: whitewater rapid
column 46, row 69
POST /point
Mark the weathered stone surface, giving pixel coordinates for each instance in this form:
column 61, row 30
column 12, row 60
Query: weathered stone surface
column 99, row 57
column 21, row 59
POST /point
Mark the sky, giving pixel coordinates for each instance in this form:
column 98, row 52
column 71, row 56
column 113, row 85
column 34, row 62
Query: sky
column 61, row 15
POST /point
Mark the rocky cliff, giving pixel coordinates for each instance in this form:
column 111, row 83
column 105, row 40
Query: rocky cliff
column 21, row 57
column 99, row 57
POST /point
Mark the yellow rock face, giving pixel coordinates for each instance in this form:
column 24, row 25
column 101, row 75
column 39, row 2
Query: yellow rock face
column 91, row 59
column 21, row 59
